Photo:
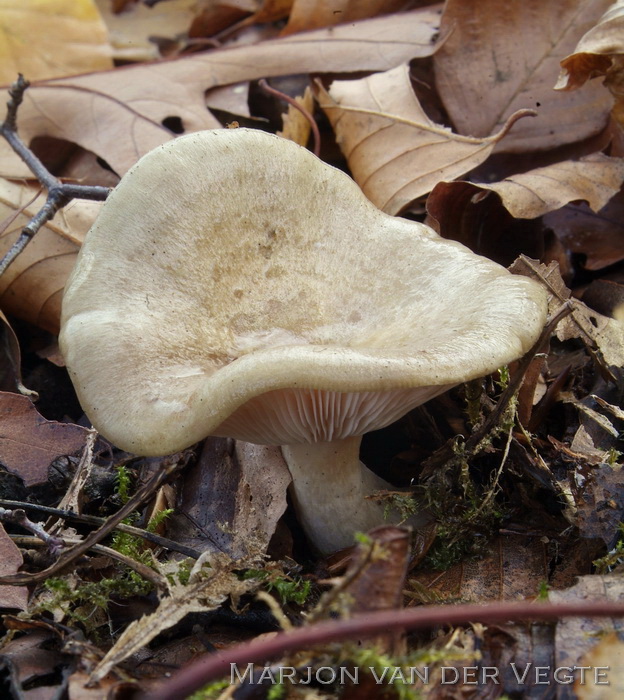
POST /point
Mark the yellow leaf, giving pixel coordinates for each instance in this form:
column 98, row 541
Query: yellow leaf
column 51, row 38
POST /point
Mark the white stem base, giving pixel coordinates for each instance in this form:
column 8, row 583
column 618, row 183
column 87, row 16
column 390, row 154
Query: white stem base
column 329, row 490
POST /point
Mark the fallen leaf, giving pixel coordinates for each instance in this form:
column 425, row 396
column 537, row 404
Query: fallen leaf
column 29, row 443
column 133, row 31
column 600, row 52
column 306, row 15
column 233, row 498
column 394, row 151
column 606, row 656
column 52, row 38
column 595, row 179
column 576, row 636
column 484, row 72
column 207, row 593
column 32, row 286
column 119, row 114
column 296, row 126
column 10, row 561
column 597, row 236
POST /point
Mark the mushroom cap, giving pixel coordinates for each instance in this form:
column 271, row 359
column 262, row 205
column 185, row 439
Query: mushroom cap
column 234, row 284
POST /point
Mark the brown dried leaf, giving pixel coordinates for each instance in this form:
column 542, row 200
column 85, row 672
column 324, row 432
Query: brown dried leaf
column 314, row 14
column 598, row 236
column 484, row 72
column 600, row 504
column 32, row 287
column 203, row 595
column 598, row 53
column 10, row 562
column 395, row 152
column 29, row 443
column 48, row 39
column 234, row 497
column 595, row 179
column 119, row 114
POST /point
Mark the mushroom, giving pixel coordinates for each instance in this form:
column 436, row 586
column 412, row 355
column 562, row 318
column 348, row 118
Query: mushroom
column 235, row 285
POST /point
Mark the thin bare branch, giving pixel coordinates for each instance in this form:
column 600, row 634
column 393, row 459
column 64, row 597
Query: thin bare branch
column 59, row 193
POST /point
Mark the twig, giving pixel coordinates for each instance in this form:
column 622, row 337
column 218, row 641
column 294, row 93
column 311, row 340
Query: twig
column 156, row 579
column 214, row 666
column 18, row 517
column 293, row 103
column 70, row 555
column 95, row 520
column 59, row 193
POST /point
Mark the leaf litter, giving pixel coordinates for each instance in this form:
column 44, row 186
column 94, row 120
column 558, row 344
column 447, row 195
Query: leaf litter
column 536, row 506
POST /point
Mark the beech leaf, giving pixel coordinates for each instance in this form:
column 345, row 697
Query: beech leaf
column 119, row 114
column 501, row 57
column 594, row 179
column 394, row 151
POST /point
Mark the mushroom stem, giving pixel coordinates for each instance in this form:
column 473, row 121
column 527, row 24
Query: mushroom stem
column 329, row 490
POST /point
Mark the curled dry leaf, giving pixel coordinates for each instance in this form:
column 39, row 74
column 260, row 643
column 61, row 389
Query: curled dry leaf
column 395, row 152
column 599, row 52
column 32, row 287
column 119, row 114
column 484, row 72
column 29, row 443
column 48, row 39
column 594, row 179
column 314, row 14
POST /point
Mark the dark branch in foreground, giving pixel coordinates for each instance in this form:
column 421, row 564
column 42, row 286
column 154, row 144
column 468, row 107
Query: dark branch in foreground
column 59, row 193
column 213, row 666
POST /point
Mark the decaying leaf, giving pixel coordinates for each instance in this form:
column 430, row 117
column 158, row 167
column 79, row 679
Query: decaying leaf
column 314, row 14
column 600, row 52
column 232, row 498
column 597, row 236
column 29, row 443
column 212, row 587
column 10, row 561
column 32, row 287
column 119, row 115
column 485, row 72
column 576, row 636
column 395, row 152
column 69, row 38
column 595, row 179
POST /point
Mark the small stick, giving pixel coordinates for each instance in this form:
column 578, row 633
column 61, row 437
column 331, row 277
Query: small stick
column 59, row 193
column 18, row 517
column 159, row 540
column 69, row 555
